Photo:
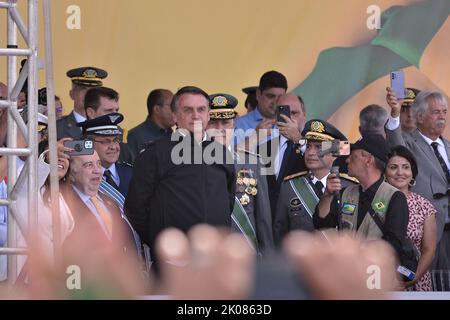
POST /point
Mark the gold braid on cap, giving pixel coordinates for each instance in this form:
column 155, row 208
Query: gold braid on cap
column 311, row 135
column 222, row 114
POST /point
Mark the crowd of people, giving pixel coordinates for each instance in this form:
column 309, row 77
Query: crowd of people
column 199, row 202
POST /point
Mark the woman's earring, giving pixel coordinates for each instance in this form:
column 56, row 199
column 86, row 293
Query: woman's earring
column 412, row 183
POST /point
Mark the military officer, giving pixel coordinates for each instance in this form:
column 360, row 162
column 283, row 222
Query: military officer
column 105, row 132
column 251, row 214
column 82, row 79
column 300, row 192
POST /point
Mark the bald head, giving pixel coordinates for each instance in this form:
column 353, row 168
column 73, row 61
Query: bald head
column 297, row 107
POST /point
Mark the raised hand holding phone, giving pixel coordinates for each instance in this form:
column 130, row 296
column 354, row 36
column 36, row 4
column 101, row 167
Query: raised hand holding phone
column 398, row 84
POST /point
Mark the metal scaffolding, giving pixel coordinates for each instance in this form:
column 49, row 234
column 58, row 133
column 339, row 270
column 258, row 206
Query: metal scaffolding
column 29, row 131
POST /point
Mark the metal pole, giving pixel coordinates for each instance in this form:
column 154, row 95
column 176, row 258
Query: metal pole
column 12, row 143
column 13, row 251
column 14, row 52
column 52, row 142
column 14, row 152
column 32, row 118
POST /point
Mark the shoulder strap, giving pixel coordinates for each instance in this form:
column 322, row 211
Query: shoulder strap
column 377, row 219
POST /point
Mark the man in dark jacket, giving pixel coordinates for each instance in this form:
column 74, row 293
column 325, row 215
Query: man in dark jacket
column 172, row 184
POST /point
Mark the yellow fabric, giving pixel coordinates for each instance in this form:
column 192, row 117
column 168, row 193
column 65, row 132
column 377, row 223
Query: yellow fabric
column 104, row 214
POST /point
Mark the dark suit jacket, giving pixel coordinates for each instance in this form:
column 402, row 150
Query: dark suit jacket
column 125, row 172
column 144, row 133
column 295, row 163
column 164, row 193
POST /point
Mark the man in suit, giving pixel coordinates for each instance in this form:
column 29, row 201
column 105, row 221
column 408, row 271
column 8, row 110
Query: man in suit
column 251, row 213
column 300, row 192
column 432, row 153
column 82, row 79
column 95, row 214
column 105, row 133
column 283, row 154
column 158, row 123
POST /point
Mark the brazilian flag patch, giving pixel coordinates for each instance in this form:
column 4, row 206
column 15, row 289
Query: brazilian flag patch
column 379, row 206
column 348, row 208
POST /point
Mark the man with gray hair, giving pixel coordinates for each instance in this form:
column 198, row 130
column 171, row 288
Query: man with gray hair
column 432, row 153
column 372, row 120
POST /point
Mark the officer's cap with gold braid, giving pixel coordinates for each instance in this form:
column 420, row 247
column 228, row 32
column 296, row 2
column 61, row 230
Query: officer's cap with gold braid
column 411, row 94
column 222, row 106
column 87, row 76
column 320, row 130
column 106, row 125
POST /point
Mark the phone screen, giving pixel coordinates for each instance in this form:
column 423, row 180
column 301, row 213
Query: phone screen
column 284, row 109
column 336, row 147
column 80, row 147
column 398, row 83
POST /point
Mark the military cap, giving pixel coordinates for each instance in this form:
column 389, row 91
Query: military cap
column 222, row 106
column 106, row 125
column 411, row 94
column 87, row 76
column 249, row 90
column 321, row 131
column 374, row 144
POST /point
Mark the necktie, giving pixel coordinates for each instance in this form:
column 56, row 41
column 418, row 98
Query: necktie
column 110, row 180
column 103, row 213
column 319, row 187
column 441, row 160
column 284, row 162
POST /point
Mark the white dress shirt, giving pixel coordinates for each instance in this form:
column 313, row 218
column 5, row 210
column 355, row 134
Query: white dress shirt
column 280, row 154
column 323, row 180
column 78, row 117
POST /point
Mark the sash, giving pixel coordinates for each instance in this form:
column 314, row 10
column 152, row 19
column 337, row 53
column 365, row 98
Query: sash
column 307, row 196
column 305, row 193
column 109, row 190
column 242, row 221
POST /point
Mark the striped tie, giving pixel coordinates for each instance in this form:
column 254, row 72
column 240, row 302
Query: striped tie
column 441, row 160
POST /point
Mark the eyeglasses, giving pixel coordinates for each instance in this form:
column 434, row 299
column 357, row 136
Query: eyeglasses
column 108, row 142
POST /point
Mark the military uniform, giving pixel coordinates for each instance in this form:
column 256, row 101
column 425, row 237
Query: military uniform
column 88, row 77
column 107, row 126
column 67, row 126
column 298, row 194
column 251, row 213
column 252, row 202
column 297, row 202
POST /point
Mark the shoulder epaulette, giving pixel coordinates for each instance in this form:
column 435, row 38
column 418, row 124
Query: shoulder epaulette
column 295, row 175
column 347, row 177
